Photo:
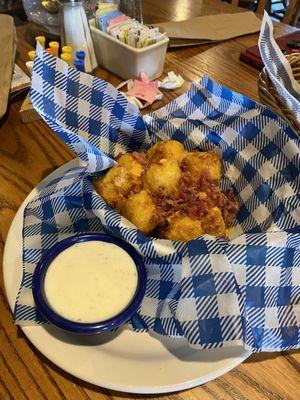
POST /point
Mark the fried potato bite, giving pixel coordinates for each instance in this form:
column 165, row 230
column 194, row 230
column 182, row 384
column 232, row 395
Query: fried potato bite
column 213, row 223
column 132, row 165
column 182, row 228
column 196, row 162
column 116, row 185
column 166, row 149
column 163, row 175
column 141, row 211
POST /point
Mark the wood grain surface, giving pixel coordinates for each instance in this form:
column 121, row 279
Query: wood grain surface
column 29, row 152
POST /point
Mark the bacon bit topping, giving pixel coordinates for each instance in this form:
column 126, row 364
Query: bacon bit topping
column 141, row 158
column 196, row 199
column 120, row 154
column 231, row 207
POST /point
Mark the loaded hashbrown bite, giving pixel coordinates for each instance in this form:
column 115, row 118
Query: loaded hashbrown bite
column 164, row 175
column 116, row 185
column 196, row 162
column 141, row 211
column 213, row 223
column 166, row 149
column 135, row 163
column 182, row 228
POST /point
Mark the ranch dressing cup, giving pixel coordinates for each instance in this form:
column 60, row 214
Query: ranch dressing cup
column 89, row 283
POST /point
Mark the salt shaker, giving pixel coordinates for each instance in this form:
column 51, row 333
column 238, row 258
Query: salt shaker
column 76, row 32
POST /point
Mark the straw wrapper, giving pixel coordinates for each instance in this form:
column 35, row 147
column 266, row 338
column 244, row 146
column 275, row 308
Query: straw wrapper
column 211, row 291
column 278, row 68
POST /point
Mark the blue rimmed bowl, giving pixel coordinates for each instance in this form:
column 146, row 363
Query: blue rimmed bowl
column 38, row 287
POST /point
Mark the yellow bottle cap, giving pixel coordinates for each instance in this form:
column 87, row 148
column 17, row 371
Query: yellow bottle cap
column 66, row 49
column 55, row 47
column 31, row 55
column 41, row 40
column 66, row 57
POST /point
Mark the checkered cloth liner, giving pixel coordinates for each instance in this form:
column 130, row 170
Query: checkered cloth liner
column 278, row 68
column 214, row 292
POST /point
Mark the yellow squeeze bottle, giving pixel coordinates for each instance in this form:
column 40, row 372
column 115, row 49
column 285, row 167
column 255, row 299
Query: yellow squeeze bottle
column 67, row 58
column 55, row 47
column 31, row 55
column 41, row 40
column 66, row 49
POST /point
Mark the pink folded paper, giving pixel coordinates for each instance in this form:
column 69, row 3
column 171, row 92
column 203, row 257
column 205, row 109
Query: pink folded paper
column 144, row 89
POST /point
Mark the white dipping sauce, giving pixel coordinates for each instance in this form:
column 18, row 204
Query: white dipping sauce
column 91, row 281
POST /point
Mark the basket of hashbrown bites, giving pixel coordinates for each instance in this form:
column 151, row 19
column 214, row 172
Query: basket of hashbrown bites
column 174, row 180
column 170, row 193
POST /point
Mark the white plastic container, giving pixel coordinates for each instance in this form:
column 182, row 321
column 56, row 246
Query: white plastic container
column 125, row 61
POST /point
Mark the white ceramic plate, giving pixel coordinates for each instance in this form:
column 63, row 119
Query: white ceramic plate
column 123, row 361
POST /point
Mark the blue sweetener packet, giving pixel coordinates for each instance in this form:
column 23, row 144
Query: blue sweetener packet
column 104, row 18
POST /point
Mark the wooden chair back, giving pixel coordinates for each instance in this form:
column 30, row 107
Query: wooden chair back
column 261, row 4
column 292, row 12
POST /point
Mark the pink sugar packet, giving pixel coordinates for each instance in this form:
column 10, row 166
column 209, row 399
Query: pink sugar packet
column 116, row 20
column 144, row 89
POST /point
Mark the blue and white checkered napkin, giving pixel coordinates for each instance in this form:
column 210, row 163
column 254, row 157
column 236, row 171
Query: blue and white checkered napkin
column 212, row 291
column 278, row 68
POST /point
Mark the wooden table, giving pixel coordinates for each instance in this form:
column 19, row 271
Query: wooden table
column 30, row 152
